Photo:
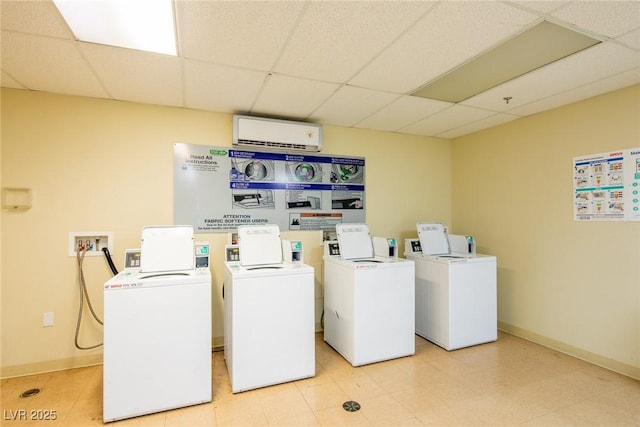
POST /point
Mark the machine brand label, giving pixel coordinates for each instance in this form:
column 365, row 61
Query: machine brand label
column 458, row 261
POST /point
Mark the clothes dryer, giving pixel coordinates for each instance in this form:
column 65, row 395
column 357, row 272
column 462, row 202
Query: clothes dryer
column 368, row 300
column 456, row 293
column 269, row 321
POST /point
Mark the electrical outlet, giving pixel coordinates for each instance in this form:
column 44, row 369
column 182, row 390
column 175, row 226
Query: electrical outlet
column 91, row 242
column 47, row 319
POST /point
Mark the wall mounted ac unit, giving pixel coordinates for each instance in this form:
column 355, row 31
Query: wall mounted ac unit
column 274, row 134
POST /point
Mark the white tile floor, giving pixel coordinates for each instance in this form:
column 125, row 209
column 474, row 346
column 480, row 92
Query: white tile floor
column 511, row 382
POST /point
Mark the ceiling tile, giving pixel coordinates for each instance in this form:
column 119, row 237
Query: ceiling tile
column 348, row 63
column 236, row 33
column 495, row 120
column 8, row 81
column 402, row 112
column 134, row 75
column 334, row 40
column 576, row 70
column 49, row 65
column 349, row 105
column 449, row 35
column 610, row 18
column 539, row 6
column 290, row 97
column 631, row 39
column 34, row 17
column 619, row 81
column 219, row 88
column 451, row 118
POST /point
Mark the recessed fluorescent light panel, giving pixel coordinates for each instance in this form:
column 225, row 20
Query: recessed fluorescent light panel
column 540, row 45
column 135, row 24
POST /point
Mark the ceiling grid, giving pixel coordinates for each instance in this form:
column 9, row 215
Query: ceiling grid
column 351, row 63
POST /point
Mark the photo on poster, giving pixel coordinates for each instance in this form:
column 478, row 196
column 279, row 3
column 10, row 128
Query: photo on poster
column 217, row 189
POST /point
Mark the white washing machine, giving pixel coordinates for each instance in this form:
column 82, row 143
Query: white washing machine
column 269, row 320
column 456, row 292
column 157, row 330
column 368, row 300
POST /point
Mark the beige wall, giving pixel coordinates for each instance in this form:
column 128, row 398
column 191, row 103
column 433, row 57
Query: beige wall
column 574, row 286
column 99, row 165
column 107, row 165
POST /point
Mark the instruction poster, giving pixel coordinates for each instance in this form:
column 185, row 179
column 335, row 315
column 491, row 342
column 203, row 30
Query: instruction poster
column 606, row 186
column 216, row 189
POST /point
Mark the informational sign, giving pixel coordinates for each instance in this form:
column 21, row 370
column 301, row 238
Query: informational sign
column 216, row 189
column 606, row 186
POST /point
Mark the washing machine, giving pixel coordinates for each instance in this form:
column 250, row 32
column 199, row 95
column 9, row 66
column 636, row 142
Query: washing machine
column 456, row 292
column 368, row 297
column 157, row 328
column 269, row 320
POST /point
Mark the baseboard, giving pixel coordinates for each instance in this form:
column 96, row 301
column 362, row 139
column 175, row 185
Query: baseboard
column 587, row 356
column 50, row 366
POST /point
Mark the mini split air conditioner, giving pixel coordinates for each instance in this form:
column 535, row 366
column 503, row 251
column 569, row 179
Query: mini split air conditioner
column 274, row 134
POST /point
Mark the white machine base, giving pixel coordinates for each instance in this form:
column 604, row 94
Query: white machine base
column 456, row 301
column 269, row 326
column 157, row 345
column 369, row 309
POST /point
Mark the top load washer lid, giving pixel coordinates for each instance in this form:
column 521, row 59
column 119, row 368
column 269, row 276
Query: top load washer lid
column 433, row 238
column 355, row 241
column 166, row 248
column 259, row 244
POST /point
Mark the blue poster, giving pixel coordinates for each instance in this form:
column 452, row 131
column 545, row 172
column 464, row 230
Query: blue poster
column 216, row 189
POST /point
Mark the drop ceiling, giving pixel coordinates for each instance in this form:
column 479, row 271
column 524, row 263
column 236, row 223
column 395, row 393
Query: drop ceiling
column 344, row 63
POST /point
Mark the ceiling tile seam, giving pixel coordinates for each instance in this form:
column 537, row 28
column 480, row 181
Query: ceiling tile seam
column 578, row 29
column 379, row 109
column 17, row 80
column 470, row 124
column 628, row 32
column 183, row 82
column 517, row 5
column 455, row 127
column 224, row 65
column 320, row 105
column 76, row 45
column 424, row 118
column 294, row 76
column 393, row 41
column 285, row 44
column 44, row 36
column 623, row 44
column 556, row 94
column 265, row 81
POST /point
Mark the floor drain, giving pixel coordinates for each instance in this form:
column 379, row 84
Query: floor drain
column 351, row 406
column 30, row 392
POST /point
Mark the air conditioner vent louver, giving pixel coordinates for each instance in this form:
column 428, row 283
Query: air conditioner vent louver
column 274, row 134
column 272, row 144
